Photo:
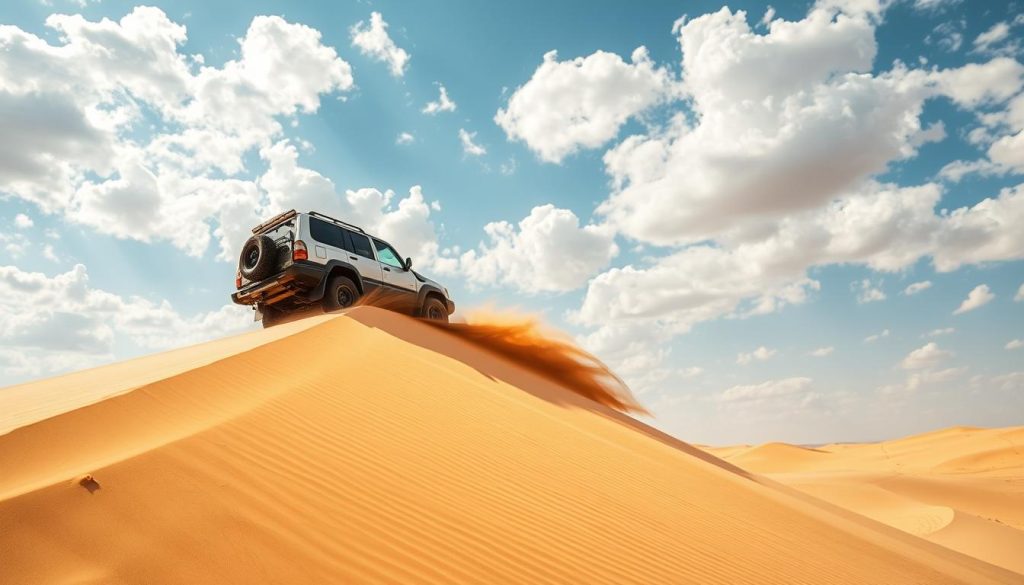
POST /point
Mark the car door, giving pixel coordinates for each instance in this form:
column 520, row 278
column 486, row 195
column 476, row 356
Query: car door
column 360, row 255
column 403, row 282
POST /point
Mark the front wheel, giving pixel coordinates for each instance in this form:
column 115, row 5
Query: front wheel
column 341, row 293
column 435, row 310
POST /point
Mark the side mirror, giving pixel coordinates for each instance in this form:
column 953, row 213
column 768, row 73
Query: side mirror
column 408, row 263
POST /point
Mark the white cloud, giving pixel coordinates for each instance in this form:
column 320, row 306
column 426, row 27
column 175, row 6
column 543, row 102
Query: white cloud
column 548, row 252
column 443, row 103
column 981, row 83
column 754, row 393
column 925, row 357
column 917, row 287
column 1014, row 344
column 822, row 351
column 98, row 160
column 931, row 5
column 372, row 40
column 760, row 354
column 998, row 32
column 581, row 103
column 875, row 337
column 943, row 331
column 405, row 138
column 979, row 296
column 1020, row 294
column 55, row 323
column 762, row 104
column 884, row 227
column 769, row 14
column 22, row 221
column 468, row 146
column 869, row 292
column 692, row 285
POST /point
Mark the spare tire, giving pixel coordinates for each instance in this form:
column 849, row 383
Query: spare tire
column 259, row 255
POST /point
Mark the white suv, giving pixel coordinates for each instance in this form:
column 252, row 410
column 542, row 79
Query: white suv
column 297, row 260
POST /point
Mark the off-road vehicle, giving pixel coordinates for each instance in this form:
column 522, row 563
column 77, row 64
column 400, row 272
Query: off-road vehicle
column 297, row 261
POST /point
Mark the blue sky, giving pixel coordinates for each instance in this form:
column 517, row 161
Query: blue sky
column 758, row 185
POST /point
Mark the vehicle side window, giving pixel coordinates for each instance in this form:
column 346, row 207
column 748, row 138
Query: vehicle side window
column 361, row 245
column 327, row 234
column 387, row 255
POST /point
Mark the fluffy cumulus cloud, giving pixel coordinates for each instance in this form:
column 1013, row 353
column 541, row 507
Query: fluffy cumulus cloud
column 979, row 296
column 770, row 173
column 372, row 39
column 547, row 251
column 81, row 114
column 53, row 323
column 581, row 103
column 925, row 357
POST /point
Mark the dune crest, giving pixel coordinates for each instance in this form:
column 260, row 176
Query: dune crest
column 373, row 448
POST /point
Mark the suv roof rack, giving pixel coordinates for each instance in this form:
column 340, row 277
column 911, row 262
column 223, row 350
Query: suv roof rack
column 337, row 221
column 274, row 220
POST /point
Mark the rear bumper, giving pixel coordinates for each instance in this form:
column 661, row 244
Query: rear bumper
column 295, row 280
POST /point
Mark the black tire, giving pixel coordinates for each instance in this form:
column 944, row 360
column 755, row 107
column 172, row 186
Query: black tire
column 259, row 255
column 435, row 310
column 340, row 293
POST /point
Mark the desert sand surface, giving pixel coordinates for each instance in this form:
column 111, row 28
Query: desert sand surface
column 961, row 487
column 372, row 448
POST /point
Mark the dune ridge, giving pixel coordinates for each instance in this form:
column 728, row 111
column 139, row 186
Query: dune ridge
column 372, row 448
column 962, row 487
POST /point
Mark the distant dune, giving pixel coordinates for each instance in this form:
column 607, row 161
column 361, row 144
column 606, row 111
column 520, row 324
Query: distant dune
column 961, row 487
column 373, row 448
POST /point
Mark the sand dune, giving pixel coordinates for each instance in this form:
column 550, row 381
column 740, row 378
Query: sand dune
column 371, row 448
column 961, row 487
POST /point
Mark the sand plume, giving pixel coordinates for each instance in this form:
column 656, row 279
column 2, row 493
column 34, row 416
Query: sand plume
column 528, row 343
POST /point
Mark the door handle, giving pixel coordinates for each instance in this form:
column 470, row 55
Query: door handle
column 354, row 257
column 386, row 269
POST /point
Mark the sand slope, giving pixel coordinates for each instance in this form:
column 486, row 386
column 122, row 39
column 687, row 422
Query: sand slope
column 961, row 487
column 370, row 448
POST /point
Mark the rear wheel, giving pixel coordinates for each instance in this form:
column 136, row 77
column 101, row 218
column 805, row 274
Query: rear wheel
column 435, row 310
column 341, row 293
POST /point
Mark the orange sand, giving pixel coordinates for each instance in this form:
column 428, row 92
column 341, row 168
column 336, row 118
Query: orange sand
column 371, row 448
column 960, row 487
